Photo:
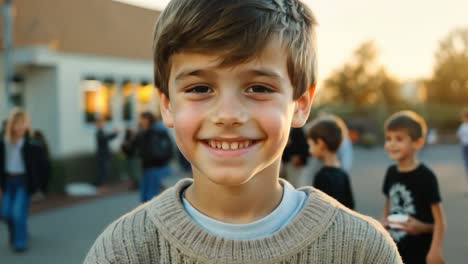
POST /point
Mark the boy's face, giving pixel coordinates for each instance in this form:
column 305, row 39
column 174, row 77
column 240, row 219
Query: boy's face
column 232, row 123
column 100, row 122
column 315, row 148
column 143, row 123
column 400, row 146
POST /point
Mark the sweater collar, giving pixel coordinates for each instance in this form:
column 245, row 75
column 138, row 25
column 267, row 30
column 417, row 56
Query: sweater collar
column 167, row 213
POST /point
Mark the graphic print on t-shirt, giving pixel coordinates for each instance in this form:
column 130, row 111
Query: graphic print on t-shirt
column 401, row 202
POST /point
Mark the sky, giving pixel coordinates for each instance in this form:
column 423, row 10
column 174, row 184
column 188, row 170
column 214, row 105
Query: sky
column 407, row 32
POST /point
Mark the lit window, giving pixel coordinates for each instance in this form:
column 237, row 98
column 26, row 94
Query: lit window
column 146, row 98
column 97, row 99
column 145, row 93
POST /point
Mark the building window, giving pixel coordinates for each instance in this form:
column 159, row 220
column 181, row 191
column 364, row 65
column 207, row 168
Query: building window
column 146, row 98
column 145, row 93
column 128, row 98
column 97, row 99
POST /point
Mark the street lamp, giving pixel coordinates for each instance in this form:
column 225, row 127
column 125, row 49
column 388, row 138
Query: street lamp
column 7, row 47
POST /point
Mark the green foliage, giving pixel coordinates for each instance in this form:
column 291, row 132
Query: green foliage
column 362, row 81
column 449, row 82
column 361, row 89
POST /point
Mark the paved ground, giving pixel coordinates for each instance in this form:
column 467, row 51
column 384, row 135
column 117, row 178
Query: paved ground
column 64, row 235
column 446, row 161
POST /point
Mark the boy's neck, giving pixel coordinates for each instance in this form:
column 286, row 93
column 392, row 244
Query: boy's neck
column 242, row 204
column 330, row 159
column 408, row 164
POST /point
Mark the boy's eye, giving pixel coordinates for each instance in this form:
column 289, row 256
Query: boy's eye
column 199, row 89
column 259, row 89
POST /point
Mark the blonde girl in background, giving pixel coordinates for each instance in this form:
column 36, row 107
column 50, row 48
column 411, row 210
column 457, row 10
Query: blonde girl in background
column 22, row 161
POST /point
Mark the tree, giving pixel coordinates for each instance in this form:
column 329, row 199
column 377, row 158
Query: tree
column 449, row 81
column 362, row 81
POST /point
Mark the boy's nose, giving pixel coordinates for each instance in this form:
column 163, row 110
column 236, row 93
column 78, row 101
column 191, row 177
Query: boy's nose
column 229, row 111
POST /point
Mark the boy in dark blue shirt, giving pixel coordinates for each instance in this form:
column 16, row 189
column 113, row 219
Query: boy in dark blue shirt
column 324, row 139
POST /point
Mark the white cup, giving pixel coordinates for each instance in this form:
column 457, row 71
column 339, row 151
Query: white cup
column 395, row 219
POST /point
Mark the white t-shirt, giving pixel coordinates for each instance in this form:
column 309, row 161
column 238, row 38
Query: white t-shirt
column 290, row 205
column 14, row 159
column 462, row 133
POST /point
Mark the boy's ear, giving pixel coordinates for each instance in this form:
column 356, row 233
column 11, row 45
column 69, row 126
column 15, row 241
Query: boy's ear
column 165, row 108
column 302, row 107
column 419, row 143
column 321, row 144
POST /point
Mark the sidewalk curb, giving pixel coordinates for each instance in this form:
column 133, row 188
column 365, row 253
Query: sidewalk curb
column 56, row 201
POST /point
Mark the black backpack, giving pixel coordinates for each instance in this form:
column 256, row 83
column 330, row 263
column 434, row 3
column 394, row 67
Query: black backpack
column 157, row 146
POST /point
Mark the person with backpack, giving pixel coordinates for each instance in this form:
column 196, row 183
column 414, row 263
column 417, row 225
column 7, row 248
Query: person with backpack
column 155, row 148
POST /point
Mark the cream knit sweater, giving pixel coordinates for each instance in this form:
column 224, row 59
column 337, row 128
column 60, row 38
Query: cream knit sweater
column 323, row 232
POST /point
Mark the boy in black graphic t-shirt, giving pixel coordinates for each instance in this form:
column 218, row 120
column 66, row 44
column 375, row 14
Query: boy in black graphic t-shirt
column 411, row 189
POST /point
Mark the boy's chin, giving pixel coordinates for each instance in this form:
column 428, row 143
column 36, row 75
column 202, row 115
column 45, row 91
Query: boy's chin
column 229, row 180
column 394, row 157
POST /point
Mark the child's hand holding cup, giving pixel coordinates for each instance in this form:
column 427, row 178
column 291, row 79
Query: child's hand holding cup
column 396, row 221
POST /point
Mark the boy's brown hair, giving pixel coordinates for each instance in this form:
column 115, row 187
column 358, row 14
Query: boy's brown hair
column 237, row 31
column 407, row 120
column 328, row 130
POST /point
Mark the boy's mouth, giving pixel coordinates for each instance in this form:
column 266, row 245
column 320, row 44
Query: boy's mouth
column 394, row 152
column 231, row 144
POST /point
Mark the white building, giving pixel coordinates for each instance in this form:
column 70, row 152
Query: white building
column 77, row 59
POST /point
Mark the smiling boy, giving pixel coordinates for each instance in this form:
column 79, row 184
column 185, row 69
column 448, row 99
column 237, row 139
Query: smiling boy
column 411, row 189
column 233, row 78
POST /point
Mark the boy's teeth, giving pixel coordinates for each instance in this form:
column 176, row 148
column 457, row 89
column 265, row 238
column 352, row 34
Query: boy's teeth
column 229, row 145
column 213, row 144
column 225, row 145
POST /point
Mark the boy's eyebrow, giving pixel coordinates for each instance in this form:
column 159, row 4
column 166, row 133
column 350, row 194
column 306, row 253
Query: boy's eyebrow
column 265, row 72
column 186, row 73
column 250, row 72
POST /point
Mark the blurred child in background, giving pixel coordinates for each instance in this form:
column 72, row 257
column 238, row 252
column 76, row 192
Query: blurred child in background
column 324, row 138
column 462, row 134
column 411, row 189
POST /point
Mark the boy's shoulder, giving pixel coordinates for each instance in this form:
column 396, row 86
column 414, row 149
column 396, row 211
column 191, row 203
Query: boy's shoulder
column 131, row 234
column 421, row 169
column 360, row 230
column 332, row 170
column 358, row 225
column 424, row 169
column 422, row 175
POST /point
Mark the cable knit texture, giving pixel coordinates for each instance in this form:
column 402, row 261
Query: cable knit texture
column 324, row 231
